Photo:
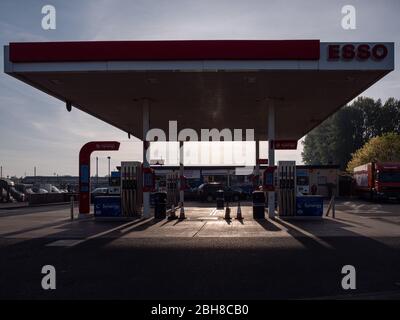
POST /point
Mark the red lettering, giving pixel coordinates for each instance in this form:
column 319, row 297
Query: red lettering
column 363, row 52
column 333, row 51
column 379, row 52
column 348, row 51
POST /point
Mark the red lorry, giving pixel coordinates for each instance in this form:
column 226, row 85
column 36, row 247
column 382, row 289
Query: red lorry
column 378, row 180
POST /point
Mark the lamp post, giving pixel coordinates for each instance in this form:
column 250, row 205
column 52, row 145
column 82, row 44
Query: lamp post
column 97, row 172
column 109, row 170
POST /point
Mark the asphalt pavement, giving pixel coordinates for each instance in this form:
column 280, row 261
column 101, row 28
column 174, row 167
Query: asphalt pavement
column 202, row 257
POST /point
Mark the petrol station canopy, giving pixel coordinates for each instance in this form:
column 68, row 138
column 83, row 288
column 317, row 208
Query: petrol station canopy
column 204, row 84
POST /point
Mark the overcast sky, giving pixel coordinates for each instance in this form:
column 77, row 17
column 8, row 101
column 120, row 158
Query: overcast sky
column 36, row 130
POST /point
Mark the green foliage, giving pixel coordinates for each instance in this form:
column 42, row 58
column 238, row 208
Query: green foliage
column 338, row 137
column 385, row 148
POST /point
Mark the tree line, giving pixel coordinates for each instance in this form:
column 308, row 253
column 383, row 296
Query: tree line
column 349, row 129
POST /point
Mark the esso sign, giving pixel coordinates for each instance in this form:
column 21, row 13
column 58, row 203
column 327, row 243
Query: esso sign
column 359, row 52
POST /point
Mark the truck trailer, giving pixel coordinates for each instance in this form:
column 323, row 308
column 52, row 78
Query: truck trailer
column 378, row 180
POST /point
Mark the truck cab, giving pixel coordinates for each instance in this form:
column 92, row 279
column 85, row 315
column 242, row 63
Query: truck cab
column 378, row 180
column 387, row 181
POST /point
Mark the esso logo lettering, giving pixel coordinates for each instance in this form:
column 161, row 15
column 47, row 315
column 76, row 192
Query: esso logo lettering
column 359, row 52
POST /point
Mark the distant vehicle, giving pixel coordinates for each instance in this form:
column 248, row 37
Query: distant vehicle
column 191, row 193
column 29, row 191
column 18, row 196
column 9, row 193
column 378, row 180
column 208, row 192
column 98, row 192
column 241, row 192
column 24, row 188
column 112, row 191
column 54, row 189
column 5, row 190
column 246, row 190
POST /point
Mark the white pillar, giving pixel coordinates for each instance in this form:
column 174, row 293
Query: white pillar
column 146, row 144
column 271, row 154
column 181, row 174
column 257, row 168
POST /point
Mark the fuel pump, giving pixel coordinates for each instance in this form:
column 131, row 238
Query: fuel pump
column 287, row 187
column 131, row 188
column 172, row 188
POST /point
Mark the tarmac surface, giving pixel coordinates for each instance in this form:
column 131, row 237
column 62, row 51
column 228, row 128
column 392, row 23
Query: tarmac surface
column 203, row 256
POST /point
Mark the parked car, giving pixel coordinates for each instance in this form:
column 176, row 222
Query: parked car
column 208, row 192
column 98, row 192
column 247, row 190
column 18, row 196
column 191, row 193
column 106, row 191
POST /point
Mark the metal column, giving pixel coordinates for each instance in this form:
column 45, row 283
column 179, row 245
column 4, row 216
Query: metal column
column 257, row 167
column 181, row 179
column 146, row 144
column 271, row 154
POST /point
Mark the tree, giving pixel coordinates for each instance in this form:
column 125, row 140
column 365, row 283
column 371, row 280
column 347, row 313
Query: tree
column 385, row 148
column 334, row 141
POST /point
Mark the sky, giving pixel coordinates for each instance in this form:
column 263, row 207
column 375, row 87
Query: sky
column 36, row 130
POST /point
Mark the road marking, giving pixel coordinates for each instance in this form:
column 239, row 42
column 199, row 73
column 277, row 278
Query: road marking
column 64, row 243
column 213, row 212
column 201, row 228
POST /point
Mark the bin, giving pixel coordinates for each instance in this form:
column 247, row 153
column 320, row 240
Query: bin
column 160, row 205
column 220, row 199
column 258, row 204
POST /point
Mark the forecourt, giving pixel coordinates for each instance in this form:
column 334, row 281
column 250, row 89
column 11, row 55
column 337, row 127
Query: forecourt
column 280, row 88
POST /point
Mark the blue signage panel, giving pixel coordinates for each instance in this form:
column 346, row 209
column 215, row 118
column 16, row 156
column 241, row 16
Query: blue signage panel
column 84, row 173
column 107, row 206
column 115, row 174
column 309, row 206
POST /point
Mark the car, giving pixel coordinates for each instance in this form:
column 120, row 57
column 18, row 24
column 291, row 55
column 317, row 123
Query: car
column 208, row 192
column 236, row 190
column 98, row 192
column 107, row 191
column 18, row 196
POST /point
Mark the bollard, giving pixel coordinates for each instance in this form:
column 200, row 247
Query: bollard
column 160, row 205
column 72, row 208
column 172, row 213
column 239, row 212
column 258, row 205
column 227, row 212
column 220, row 199
column 182, row 212
column 331, row 206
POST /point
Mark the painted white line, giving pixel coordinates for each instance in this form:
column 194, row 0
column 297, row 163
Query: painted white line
column 64, row 243
column 213, row 212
